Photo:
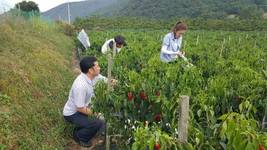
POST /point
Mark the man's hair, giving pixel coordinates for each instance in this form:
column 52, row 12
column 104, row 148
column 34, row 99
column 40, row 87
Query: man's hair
column 120, row 40
column 86, row 63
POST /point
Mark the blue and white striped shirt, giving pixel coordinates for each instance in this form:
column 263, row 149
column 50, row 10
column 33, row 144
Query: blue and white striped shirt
column 170, row 48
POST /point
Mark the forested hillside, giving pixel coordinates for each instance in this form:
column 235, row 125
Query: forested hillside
column 195, row 8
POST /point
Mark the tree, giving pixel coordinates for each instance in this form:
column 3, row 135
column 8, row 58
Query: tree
column 28, row 6
column 251, row 12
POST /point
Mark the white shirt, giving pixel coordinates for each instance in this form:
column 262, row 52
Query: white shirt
column 170, row 48
column 81, row 92
column 105, row 47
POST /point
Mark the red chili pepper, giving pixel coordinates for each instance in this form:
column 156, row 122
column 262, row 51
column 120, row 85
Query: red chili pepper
column 158, row 93
column 261, row 147
column 157, row 146
column 158, row 117
column 142, row 95
column 130, row 96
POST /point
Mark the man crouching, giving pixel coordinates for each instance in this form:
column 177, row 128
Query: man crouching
column 77, row 110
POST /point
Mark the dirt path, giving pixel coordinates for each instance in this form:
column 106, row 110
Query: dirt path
column 75, row 63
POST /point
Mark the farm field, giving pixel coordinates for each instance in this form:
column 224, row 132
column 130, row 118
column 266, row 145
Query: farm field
column 227, row 87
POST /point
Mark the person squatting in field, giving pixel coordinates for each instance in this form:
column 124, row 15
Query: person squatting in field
column 78, row 108
column 118, row 42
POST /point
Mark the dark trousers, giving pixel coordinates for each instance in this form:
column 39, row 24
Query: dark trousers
column 85, row 128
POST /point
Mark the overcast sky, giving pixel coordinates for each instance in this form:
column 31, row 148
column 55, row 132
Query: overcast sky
column 44, row 5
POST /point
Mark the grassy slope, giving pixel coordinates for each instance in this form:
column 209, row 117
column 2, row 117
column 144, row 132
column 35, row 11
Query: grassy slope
column 35, row 78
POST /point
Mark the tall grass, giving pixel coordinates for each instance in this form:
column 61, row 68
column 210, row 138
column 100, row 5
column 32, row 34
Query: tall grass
column 35, row 78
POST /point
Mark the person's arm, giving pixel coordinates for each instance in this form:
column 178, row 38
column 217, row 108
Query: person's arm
column 166, row 43
column 103, row 78
column 165, row 51
column 104, row 48
column 118, row 50
column 99, row 78
column 181, row 52
column 85, row 110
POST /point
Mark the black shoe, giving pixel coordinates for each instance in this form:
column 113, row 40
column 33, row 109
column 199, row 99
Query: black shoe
column 81, row 143
column 75, row 137
column 85, row 144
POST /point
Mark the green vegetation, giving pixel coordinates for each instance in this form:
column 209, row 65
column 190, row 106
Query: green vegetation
column 130, row 23
column 227, row 88
column 35, row 78
column 27, row 6
column 227, row 84
column 192, row 9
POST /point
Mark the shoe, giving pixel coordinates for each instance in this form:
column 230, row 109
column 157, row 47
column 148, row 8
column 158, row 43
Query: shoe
column 81, row 143
column 85, row 144
column 75, row 137
column 98, row 140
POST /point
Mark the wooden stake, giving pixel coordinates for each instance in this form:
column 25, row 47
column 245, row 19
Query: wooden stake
column 183, row 119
